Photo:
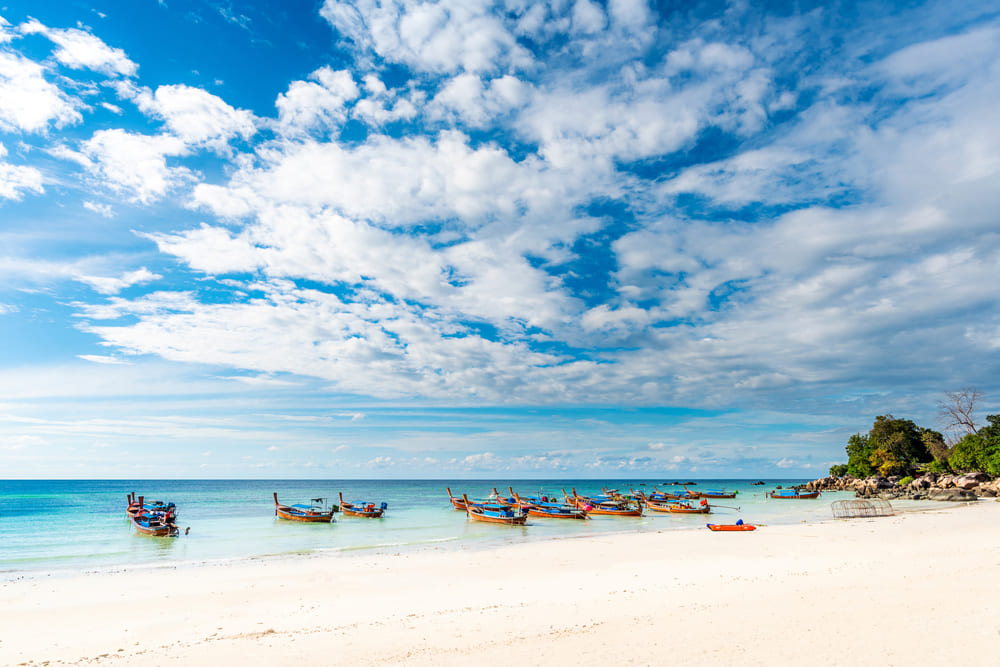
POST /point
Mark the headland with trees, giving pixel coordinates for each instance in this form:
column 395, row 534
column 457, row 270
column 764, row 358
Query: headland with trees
column 899, row 459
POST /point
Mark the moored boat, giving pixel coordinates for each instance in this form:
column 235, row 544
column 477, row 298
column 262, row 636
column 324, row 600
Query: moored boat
column 547, row 509
column 725, row 527
column 494, row 513
column 137, row 503
column 679, row 507
column 157, row 524
column 315, row 512
column 792, row 494
column 717, row 493
column 604, row 505
column 365, row 510
column 457, row 503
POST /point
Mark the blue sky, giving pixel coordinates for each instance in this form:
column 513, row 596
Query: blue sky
column 489, row 239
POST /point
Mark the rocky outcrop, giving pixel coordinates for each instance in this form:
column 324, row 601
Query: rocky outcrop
column 929, row 486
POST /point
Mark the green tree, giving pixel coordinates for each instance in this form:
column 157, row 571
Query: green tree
column 859, row 452
column 979, row 451
column 838, row 470
column 892, row 447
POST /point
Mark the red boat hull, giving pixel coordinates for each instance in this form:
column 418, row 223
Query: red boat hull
column 724, row 527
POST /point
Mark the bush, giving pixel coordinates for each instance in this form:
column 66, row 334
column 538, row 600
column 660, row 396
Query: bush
column 938, row 466
column 838, row 470
column 906, row 480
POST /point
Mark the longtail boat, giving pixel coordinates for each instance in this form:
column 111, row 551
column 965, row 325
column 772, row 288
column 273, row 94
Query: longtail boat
column 135, row 504
column 738, row 526
column 457, row 503
column 494, row 499
column 158, row 524
column 717, row 493
column 550, row 510
column 793, row 494
column 604, row 505
column 316, row 512
column 494, row 513
column 365, row 510
column 658, row 496
column 679, row 507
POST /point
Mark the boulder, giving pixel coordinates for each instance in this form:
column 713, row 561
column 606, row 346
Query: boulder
column 950, row 495
column 970, row 480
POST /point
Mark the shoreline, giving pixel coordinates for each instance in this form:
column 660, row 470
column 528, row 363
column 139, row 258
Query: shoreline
column 500, row 541
column 860, row 591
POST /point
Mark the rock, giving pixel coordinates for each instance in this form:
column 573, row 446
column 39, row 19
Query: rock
column 970, row 481
column 950, row 495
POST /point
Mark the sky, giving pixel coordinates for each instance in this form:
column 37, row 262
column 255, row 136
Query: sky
column 490, row 239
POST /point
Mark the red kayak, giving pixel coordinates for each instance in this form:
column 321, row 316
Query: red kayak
column 731, row 526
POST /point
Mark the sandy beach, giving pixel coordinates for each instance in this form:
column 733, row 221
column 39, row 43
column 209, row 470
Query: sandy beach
column 914, row 588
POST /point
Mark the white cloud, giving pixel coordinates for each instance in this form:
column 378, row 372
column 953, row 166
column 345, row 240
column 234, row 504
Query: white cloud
column 197, row 117
column 109, row 285
column 104, row 210
column 101, row 359
column 15, row 179
column 28, row 102
column 317, row 104
column 588, row 17
column 446, row 36
column 6, row 34
column 470, row 101
column 135, row 165
column 81, row 50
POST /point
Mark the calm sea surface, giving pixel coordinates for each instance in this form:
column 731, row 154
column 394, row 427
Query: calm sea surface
column 63, row 525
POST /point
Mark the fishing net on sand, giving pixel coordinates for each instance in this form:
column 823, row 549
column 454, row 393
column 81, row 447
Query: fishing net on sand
column 853, row 509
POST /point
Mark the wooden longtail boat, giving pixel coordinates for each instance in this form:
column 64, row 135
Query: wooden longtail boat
column 158, row 524
column 794, row 494
column 457, row 503
column 135, row 504
column 549, row 510
column 313, row 513
column 364, row 510
column 603, row 505
column 494, row 513
column 679, row 507
column 658, row 496
column 738, row 526
column 717, row 493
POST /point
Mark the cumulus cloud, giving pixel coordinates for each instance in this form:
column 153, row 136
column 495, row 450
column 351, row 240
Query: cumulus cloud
column 15, row 180
column 79, row 49
column 317, row 104
column 579, row 201
column 28, row 101
column 446, row 36
column 197, row 117
column 135, row 165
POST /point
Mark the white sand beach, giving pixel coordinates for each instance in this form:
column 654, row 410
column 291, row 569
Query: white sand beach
column 918, row 588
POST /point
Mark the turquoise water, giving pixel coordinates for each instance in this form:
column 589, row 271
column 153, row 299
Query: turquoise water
column 64, row 525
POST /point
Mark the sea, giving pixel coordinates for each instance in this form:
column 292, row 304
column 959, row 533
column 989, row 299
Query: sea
column 69, row 526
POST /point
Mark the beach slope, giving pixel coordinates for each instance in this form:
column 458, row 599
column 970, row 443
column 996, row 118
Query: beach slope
column 917, row 588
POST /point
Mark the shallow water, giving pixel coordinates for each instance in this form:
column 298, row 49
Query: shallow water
column 53, row 526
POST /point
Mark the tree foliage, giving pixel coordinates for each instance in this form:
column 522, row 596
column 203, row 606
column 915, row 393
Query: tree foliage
column 892, row 447
column 979, row 451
